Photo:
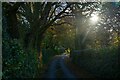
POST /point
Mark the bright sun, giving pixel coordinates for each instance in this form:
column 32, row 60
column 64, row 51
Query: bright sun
column 94, row 18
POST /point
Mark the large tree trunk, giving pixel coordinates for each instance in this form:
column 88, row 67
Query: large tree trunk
column 39, row 48
column 12, row 19
column 12, row 23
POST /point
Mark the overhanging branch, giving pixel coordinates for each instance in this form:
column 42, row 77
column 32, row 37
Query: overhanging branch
column 66, row 16
column 58, row 24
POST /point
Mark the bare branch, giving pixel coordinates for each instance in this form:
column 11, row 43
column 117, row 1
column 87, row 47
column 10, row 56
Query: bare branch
column 52, row 12
column 43, row 28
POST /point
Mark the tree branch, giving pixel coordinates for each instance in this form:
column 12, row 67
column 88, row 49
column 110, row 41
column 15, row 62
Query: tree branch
column 66, row 16
column 58, row 24
column 44, row 28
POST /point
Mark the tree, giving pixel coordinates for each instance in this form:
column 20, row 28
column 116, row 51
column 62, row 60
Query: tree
column 10, row 11
column 39, row 17
column 82, row 13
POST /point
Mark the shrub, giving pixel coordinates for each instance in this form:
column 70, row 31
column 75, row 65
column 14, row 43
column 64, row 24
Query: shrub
column 16, row 62
column 101, row 62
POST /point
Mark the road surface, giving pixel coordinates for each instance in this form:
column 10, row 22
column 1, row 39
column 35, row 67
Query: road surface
column 58, row 69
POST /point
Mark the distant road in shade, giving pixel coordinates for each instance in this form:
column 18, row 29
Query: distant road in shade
column 58, row 69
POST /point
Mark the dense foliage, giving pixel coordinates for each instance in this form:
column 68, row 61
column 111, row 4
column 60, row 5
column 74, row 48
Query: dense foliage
column 102, row 62
column 16, row 62
column 100, row 51
column 34, row 32
column 24, row 26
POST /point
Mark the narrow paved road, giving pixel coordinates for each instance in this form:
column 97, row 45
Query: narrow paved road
column 58, row 69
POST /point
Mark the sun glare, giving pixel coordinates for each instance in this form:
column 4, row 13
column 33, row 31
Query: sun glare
column 94, row 18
